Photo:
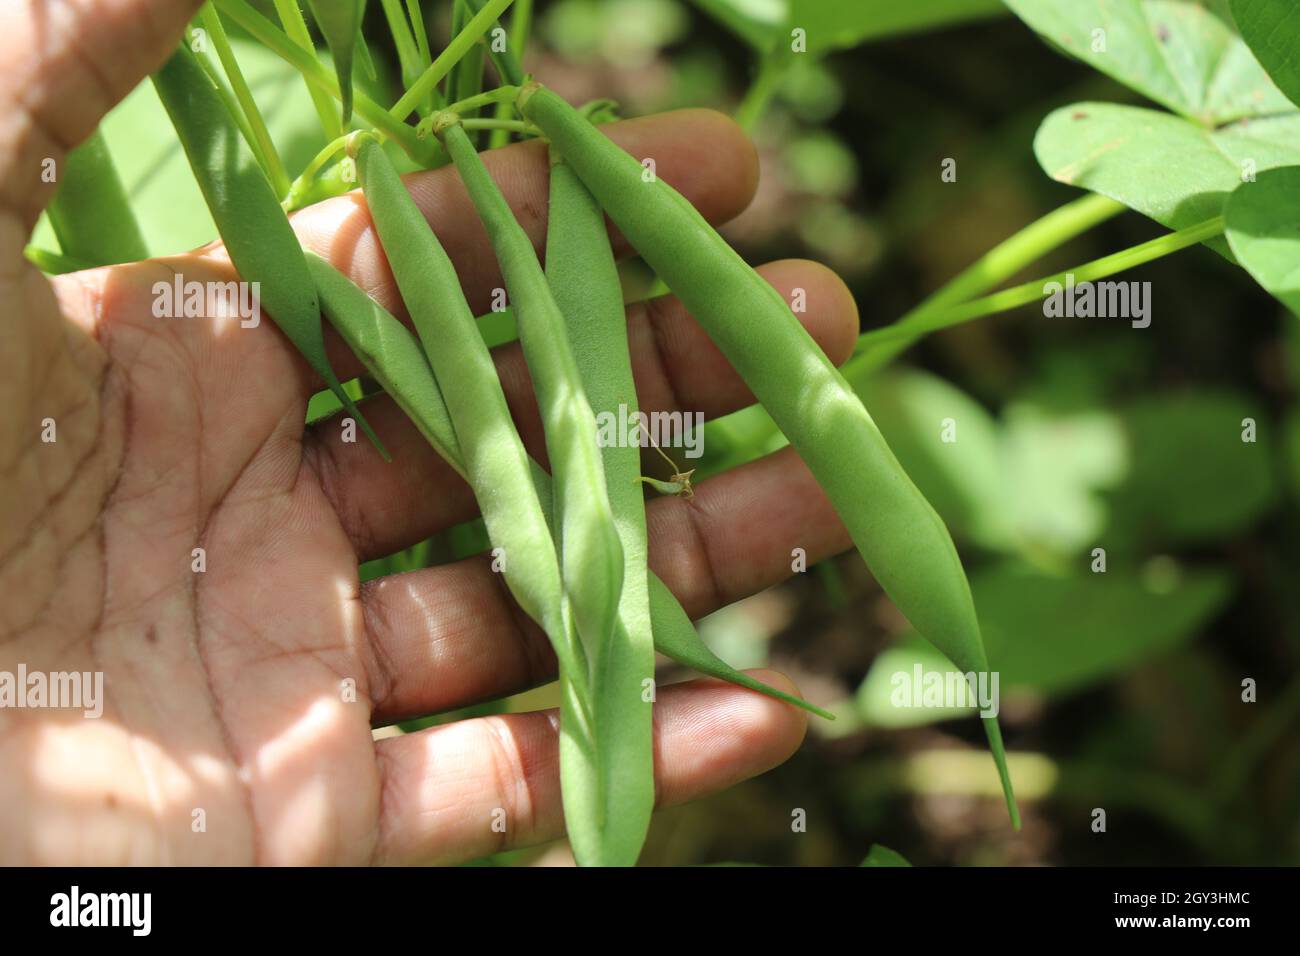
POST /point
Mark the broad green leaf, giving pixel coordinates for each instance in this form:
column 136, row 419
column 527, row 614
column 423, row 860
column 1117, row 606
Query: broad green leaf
column 1191, row 477
column 1030, row 483
column 880, row 855
column 1272, row 30
column 1184, row 54
column 1165, row 167
column 1055, row 468
column 877, row 703
column 1056, row 635
column 1263, row 228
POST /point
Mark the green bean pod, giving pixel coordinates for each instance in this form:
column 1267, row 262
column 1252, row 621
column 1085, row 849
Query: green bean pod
column 591, row 556
column 90, row 212
column 261, row 243
column 492, row 454
column 395, row 358
column 584, row 281
column 390, row 354
column 340, row 22
column 898, row 533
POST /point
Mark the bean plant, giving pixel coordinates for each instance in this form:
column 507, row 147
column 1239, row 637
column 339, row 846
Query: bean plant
column 1215, row 166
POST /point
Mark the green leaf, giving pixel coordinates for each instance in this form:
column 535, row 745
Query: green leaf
column 1272, row 30
column 880, row 855
column 1263, row 228
column 1030, row 482
column 839, row 26
column 1162, row 166
column 1184, row 54
column 1055, row 468
column 1191, row 477
column 1056, row 635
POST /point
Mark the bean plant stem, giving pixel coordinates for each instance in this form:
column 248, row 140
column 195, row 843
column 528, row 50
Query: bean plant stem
column 418, row 31
column 264, row 145
column 1033, row 291
column 275, row 40
column 296, row 28
column 409, row 58
column 460, row 44
column 293, row 199
column 511, row 126
column 521, row 21
column 233, row 108
column 770, row 70
column 998, row 264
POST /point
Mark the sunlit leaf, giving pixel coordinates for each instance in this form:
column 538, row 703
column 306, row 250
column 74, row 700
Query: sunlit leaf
column 1183, row 54
column 1272, row 30
column 1163, row 166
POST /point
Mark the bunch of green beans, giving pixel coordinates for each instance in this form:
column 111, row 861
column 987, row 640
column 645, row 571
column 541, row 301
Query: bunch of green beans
column 898, row 533
column 395, row 359
column 491, row 451
column 573, row 549
column 607, row 821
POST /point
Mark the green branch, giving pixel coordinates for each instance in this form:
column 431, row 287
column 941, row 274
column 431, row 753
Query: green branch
column 461, row 44
column 997, row 265
column 1034, row 291
column 275, row 40
column 256, row 125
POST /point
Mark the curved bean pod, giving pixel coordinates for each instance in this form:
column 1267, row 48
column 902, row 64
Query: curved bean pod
column 261, row 243
column 898, row 533
column 584, row 281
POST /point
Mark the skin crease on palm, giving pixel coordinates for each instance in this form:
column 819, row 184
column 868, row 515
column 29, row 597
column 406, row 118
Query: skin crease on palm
column 223, row 688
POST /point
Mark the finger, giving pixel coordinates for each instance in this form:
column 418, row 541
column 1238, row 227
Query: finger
column 444, row 788
column 385, row 507
column 703, row 154
column 451, row 636
column 66, row 65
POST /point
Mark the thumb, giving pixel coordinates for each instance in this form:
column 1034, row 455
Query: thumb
column 63, row 65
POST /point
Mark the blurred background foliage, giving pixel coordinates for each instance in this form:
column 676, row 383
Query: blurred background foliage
column 1120, row 690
